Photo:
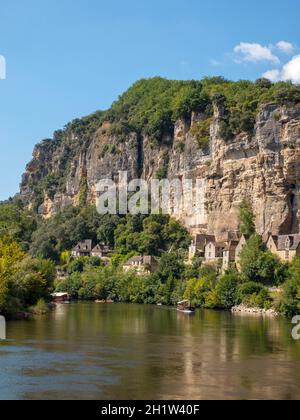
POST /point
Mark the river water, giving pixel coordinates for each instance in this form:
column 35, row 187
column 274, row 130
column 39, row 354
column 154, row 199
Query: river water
column 96, row 351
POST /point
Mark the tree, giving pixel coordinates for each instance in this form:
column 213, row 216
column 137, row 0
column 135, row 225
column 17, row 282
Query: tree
column 28, row 282
column 226, row 290
column 263, row 83
column 290, row 304
column 257, row 264
column 247, row 219
column 171, row 266
column 10, row 254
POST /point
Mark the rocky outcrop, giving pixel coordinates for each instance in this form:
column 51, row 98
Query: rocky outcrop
column 263, row 167
column 246, row 310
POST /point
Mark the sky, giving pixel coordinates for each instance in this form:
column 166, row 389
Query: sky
column 63, row 59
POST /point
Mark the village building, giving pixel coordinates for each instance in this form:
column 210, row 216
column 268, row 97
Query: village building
column 198, row 245
column 286, row 247
column 240, row 246
column 86, row 249
column 141, row 264
column 100, row 251
column 229, row 254
column 214, row 251
column 83, row 249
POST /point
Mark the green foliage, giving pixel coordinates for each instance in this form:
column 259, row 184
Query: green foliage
column 153, row 105
column 170, row 267
column 263, row 83
column 150, row 235
column 111, row 283
column 290, row 304
column 63, row 231
column 247, row 219
column 226, row 290
column 83, row 193
column 23, row 280
column 41, row 308
column 201, row 132
column 17, row 223
column 254, row 295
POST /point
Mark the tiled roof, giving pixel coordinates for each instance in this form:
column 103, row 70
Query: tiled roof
column 101, row 248
column 294, row 242
column 84, row 246
column 231, row 246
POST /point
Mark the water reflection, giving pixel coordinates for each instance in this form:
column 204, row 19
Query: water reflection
column 95, row 351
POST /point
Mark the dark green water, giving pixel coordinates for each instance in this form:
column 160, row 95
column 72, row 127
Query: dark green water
column 94, row 351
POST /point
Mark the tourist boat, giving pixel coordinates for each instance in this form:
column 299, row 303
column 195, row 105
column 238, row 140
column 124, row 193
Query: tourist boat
column 60, row 298
column 185, row 307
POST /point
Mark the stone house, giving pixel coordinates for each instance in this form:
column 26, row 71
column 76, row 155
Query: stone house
column 100, row 251
column 83, row 249
column 198, row 245
column 286, row 247
column 214, row 251
column 86, row 249
column 229, row 254
column 141, row 264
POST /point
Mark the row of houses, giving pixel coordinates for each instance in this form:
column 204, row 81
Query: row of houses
column 227, row 252
column 141, row 264
column 224, row 253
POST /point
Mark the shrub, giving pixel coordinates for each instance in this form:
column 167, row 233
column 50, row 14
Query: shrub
column 248, row 289
column 263, row 83
column 246, row 219
column 201, row 132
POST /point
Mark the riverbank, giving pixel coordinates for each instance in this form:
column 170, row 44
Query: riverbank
column 243, row 309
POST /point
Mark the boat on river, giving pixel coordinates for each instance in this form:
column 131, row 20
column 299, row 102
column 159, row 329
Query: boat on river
column 185, row 307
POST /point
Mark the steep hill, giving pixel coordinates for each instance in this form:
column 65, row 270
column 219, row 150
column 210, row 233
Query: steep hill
column 241, row 138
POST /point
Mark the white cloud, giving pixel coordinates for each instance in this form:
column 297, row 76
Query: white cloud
column 290, row 71
column 285, row 47
column 273, row 75
column 214, row 62
column 255, row 52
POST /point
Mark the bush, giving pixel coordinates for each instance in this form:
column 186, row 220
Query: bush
column 290, row 304
column 41, row 308
column 259, row 300
column 201, row 132
column 248, row 289
column 263, row 83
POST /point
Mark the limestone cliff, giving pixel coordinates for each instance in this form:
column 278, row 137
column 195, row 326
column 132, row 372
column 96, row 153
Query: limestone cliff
column 261, row 165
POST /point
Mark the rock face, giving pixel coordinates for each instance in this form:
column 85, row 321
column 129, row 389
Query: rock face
column 263, row 168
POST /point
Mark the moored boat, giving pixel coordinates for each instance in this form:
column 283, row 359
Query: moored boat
column 185, row 307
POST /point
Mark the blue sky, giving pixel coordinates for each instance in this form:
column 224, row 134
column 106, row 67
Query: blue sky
column 68, row 58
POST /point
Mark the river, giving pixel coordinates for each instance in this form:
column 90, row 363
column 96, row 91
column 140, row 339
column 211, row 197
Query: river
column 96, row 351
